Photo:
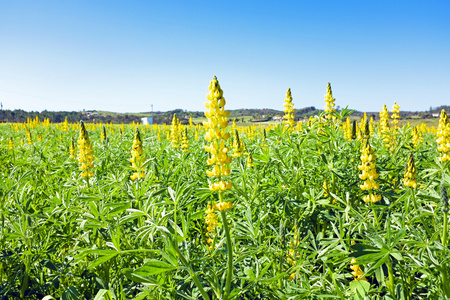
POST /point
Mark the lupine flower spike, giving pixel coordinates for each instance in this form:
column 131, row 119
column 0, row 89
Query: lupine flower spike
column 443, row 137
column 369, row 173
column 416, row 136
column 211, row 221
column 175, row 132
column 348, row 130
column 357, row 273
column 329, row 102
column 86, row 155
column 216, row 137
column 249, row 160
column 137, row 160
column 185, row 141
column 72, row 150
column 288, row 110
column 28, row 134
column 410, row 173
column 103, row 134
column 354, row 130
column 395, row 114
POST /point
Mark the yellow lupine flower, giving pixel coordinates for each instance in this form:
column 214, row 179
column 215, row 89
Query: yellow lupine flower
column 395, row 114
column 369, row 173
column 443, row 137
column 288, row 110
column 329, row 102
column 357, row 273
column 238, row 145
column 103, row 133
column 11, row 143
column 416, row 136
column 348, row 129
column 410, row 173
column 86, row 155
column 28, row 134
column 175, row 132
column 72, row 150
column 211, row 221
column 249, row 160
column 137, row 160
column 185, row 141
column 216, row 137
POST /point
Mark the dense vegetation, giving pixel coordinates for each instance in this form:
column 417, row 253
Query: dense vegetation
column 297, row 219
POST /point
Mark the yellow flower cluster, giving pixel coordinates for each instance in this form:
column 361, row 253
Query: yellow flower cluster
column 410, row 173
column 416, row 136
column 369, row 173
column 329, row 102
column 86, row 157
column 288, row 110
column 357, row 273
column 443, row 137
column 65, row 125
column 362, row 126
column 249, row 160
column 395, row 114
column 347, row 126
column 216, row 137
column 137, row 160
column 238, row 145
column 384, row 121
column 72, row 150
column 103, row 133
column 223, row 206
column 185, row 141
column 292, row 251
column 28, row 134
column 371, row 126
column 365, row 127
column 386, row 134
column 211, row 221
column 11, row 143
column 175, row 132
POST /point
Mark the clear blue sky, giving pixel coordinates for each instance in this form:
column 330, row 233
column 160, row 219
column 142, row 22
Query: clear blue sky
column 124, row 56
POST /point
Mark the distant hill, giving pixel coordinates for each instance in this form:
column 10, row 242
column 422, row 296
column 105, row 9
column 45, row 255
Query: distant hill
column 252, row 115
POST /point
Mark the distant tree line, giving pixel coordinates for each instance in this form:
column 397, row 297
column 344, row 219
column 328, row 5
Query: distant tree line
column 429, row 114
column 257, row 115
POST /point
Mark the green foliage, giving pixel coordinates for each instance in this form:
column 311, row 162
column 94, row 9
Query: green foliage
column 62, row 237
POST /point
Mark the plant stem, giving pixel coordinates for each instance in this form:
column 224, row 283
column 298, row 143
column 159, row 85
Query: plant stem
column 229, row 252
column 445, row 281
column 445, row 230
column 391, row 278
column 375, row 216
column 190, row 270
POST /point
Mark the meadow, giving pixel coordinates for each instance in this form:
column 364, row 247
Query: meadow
column 327, row 208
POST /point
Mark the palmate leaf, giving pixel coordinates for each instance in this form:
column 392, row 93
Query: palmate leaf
column 360, row 288
column 71, row 293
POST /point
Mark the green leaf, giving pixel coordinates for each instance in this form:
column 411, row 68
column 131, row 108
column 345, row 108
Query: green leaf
column 101, row 260
column 153, row 267
column 360, row 288
column 275, row 278
column 103, row 295
column 70, row 294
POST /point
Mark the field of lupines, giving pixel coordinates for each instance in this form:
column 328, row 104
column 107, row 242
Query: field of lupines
column 304, row 210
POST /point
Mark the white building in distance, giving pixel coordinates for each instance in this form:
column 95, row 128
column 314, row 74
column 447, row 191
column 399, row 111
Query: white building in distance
column 147, row 120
